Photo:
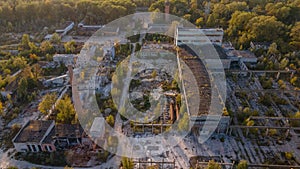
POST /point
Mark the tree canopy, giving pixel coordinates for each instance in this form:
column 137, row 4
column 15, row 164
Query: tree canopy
column 47, row 102
column 65, row 111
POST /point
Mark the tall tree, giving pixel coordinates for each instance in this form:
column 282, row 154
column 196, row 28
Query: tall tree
column 280, row 11
column 213, row 165
column 65, row 111
column 46, row 47
column 70, row 47
column 127, row 163
column 258, row 29
column 47, row 102
column 55, row 39
column 242, row 165
column 110, row 120
column 22, row 89
column 24, row 45
column 238, row 22
column 295, row 35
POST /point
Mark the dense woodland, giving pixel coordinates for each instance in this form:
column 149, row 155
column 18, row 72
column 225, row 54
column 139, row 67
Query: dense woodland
column 244, row 21
column 273, row 21
column 33, row 15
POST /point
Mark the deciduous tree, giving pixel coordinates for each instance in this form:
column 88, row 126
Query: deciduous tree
column 47, row 102
column 213, row 165
column 242, row 165
column 65, row 111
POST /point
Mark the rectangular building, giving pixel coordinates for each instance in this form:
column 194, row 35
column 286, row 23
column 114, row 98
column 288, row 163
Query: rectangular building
column 30, row 138
column 197, row 36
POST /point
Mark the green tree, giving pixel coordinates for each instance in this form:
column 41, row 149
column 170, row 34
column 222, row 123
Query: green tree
column 1, row 108
column 288, row 155
column 259, row 28
column 65, row 111
column 272, row 132
column 47, row 102
column 279, row 10
column 236, row 6
column 22, row 90
column 33, row 57
column 70, row 47
column 295, row 35
column 127, row 163
column 250, row 123
column 46, row 47
column 200, row 22
column 283, row 63
column 242, row 165
column 24, row 45
column 55, row 39
column 273, row 49
column 294, row 80
column 37, row 71
column 110, row 120
column 213, row 165
column 237, row 24
column 33, row 48
column 187, row 17
column 154, row 74
column 157, row 6
column 19, row 62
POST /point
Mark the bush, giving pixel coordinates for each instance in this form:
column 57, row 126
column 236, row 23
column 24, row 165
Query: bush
column 288, row 155
column 242, row 164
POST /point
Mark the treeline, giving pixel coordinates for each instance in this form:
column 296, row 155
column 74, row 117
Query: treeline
column 34, row 15
column 243, row 21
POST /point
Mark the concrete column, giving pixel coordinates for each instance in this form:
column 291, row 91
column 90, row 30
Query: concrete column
column 247, row 131
column 37, row 148
column 152, row 128
column 143, row 128
column 286, row 133
column 267, row 132
column 278, row 75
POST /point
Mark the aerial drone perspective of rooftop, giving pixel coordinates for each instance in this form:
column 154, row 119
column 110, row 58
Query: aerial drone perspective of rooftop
column 150, row 84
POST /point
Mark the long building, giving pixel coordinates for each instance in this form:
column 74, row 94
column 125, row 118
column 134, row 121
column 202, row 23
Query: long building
column 195, row 36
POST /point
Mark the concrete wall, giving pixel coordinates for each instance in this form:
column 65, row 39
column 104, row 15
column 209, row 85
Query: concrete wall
column 48, row 147
column 198, row 36
column 28, row 147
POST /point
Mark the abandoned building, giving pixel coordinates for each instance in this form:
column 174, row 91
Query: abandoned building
column 38, row 135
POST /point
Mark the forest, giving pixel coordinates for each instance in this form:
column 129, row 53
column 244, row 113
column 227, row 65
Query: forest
column 34, row 15
column 244, row 21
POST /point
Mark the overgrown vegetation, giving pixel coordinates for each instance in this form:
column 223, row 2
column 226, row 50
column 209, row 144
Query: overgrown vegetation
column 44, row 158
